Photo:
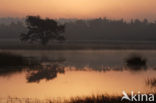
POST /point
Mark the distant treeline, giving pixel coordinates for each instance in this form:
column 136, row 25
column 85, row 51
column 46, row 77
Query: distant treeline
column 94, row 29
column 12, row 30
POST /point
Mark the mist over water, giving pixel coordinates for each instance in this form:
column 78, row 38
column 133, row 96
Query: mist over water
column 68, row 73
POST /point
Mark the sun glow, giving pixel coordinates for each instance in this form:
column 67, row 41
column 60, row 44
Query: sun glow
column 79, row 8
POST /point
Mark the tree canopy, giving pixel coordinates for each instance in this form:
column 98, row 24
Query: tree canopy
column 42, row 30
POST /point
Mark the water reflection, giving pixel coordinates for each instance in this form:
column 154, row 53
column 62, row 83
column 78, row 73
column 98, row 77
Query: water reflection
column 37, row 69
column 73, row 80
column 136, row 62
column 13, row 63
column 77, row 83
column 151, row 82
column 45, row 68
column 45, row 72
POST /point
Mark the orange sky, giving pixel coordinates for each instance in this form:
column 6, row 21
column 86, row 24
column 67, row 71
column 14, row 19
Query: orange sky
column 79, row 8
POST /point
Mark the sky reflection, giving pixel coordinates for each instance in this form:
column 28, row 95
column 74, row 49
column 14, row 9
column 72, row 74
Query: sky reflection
column 64, row 77
column 77, row 83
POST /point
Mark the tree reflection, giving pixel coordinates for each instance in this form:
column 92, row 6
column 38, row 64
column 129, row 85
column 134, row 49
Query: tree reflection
column 37, row 69
column 136, row 62
column 47, row 68
column 13, row 63
column 45, row 72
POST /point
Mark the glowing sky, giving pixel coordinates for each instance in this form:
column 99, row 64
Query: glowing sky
column 79, row 8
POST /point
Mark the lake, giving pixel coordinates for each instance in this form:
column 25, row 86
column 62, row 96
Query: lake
column 66, row 74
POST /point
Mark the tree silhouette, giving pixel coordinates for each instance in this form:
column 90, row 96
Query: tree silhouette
column 42, row 30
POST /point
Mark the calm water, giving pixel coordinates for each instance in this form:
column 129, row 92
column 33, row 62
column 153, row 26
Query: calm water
column 66, row 74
